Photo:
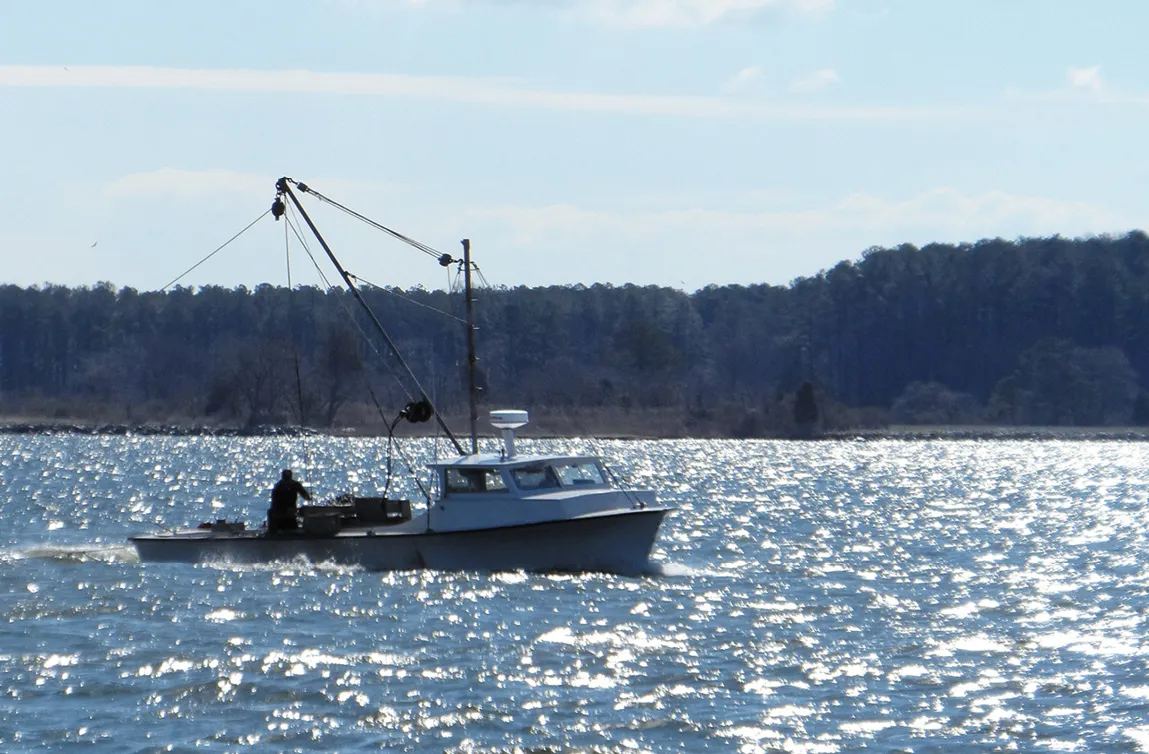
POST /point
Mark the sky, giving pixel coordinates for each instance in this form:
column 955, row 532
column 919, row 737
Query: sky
column 681, row 143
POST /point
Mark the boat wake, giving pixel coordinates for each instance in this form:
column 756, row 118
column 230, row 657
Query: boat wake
column 88, row 553
column 296, row 566
column 672, row 570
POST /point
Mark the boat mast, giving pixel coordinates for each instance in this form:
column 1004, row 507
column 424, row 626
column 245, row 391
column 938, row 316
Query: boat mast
column 472, row 359
column 283, row 187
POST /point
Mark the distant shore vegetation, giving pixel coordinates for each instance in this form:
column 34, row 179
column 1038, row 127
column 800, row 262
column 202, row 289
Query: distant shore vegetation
column 984, row 337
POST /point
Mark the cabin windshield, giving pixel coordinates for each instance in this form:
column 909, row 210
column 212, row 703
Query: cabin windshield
column 579, row 473
column 462, row 481
column 535, row 477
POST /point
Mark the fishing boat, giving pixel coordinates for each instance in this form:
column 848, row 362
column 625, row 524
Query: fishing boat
column 484, row 511
column 496, row 511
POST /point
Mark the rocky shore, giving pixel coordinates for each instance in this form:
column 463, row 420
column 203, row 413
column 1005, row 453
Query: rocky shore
column 991, row 433
column 917, row 433
column 63, row 428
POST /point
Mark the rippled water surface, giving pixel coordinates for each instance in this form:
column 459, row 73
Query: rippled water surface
column 806, row 597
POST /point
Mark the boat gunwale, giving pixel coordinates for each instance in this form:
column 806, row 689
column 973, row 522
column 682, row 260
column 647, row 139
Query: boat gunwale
column 368, row 532
column 500, row 461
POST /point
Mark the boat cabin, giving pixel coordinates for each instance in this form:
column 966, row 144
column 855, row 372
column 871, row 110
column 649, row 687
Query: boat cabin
column 514, row 475
column 483, row 491
column 505, row 489
column 521, row 477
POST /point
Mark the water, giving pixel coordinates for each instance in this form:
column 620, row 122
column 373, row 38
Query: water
column 806, row 597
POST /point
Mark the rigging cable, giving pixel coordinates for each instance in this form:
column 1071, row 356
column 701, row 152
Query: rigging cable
column 408, row 299
column 303, row 242
column 454, row 285
column 218, row 250
column 379, row 226
column 393, row 443
column 370, row 391
column 283, row 188
column 350, row 316
column 291, row 325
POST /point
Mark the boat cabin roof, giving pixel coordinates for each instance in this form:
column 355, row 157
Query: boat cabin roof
column 496, row 460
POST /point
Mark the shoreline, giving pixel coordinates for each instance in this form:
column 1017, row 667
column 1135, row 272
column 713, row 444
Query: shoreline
column 25, row 426
column 926, row 433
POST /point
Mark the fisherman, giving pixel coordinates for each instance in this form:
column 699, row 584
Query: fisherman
column 284, row 496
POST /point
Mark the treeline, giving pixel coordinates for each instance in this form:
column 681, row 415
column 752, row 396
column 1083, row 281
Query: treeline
column 1046, row 331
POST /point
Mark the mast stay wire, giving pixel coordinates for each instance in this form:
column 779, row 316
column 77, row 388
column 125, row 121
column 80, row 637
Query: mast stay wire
column 291, row 324
column 303, row 242
column 428, row 250
column 188, row 271
column 370, row 344
column 453, row 285
column 391, row 444
column 343, row 304
column 408, row 299
column 444, row 259
column 283, row 188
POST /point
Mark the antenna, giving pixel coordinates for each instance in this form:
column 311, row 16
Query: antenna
column 508, row 420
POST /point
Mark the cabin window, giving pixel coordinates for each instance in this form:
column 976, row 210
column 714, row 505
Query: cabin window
column 583, row 472
column 535, row 477
column 474, row 480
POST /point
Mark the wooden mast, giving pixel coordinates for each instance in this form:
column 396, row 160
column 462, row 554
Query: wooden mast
column 472, row 359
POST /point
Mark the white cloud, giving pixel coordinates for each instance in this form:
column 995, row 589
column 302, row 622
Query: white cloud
column 1085, row 78
column 938, row 214
column 244, row 80
column 747, row 78
column 633, row 13
column 954, row 214
column 752, row 78
column 686, row 13
column 666, row 239
column 213, row 186
column 1085, row 85
column 473, row 90
column 816, row 80
column 187, row 184
column 699, row 246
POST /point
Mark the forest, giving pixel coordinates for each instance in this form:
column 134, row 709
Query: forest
column 1031, row 332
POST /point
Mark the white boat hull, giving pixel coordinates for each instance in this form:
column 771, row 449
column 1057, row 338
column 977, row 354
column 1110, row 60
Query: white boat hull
column 617, row 542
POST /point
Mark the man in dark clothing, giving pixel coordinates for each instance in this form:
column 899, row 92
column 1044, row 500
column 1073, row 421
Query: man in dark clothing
column 284, row 496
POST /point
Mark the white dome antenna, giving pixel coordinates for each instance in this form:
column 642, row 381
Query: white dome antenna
column 508, row 420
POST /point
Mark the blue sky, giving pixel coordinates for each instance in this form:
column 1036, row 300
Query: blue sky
column 668, row 142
